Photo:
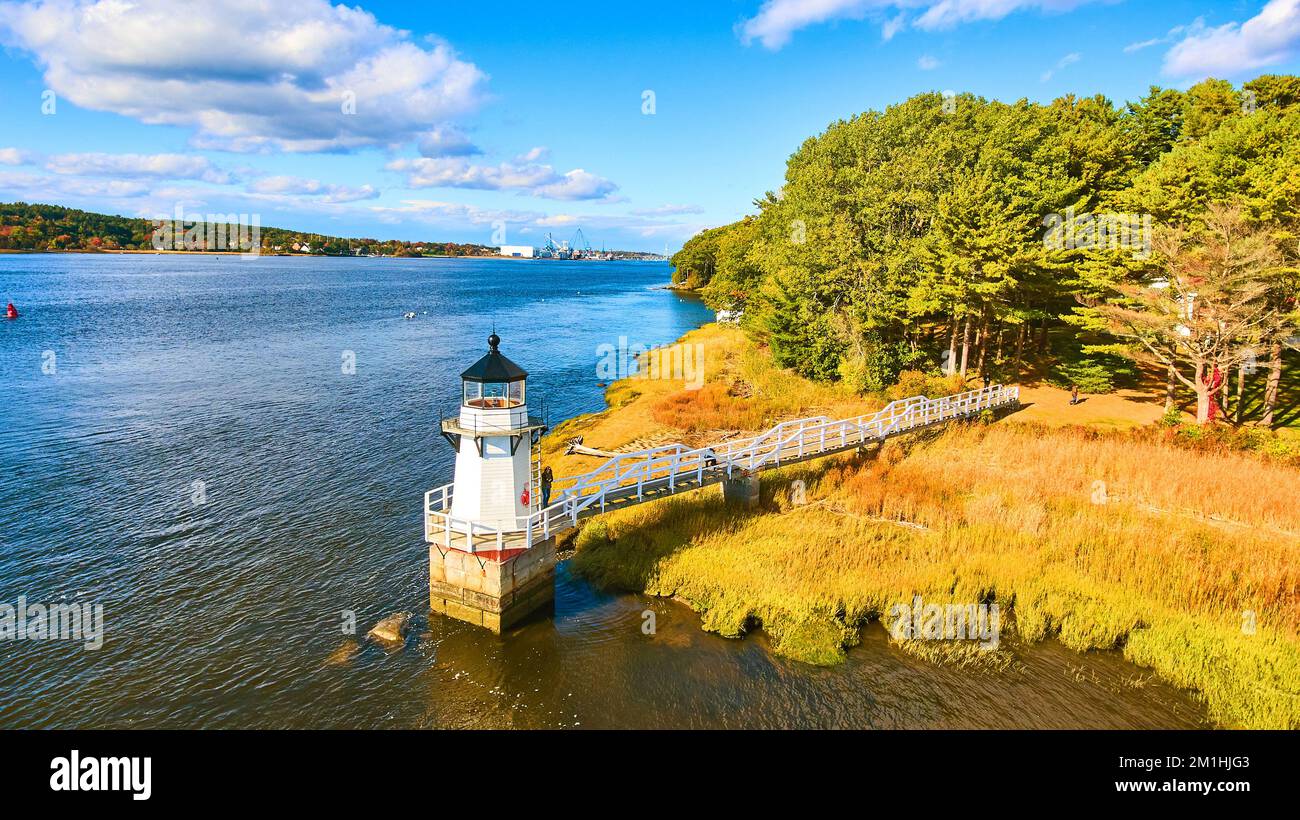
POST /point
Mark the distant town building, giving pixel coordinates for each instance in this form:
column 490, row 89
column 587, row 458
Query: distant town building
column 521, row 251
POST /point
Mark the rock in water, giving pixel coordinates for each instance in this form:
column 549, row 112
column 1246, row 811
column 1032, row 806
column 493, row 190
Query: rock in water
column 344, row 653
column 392, row 629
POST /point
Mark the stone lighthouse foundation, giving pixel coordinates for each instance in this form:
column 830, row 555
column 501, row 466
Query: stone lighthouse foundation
column 493, row 589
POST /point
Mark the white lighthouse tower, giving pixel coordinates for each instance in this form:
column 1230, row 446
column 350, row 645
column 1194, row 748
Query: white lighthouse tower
column 487, row 566
column 495, row 440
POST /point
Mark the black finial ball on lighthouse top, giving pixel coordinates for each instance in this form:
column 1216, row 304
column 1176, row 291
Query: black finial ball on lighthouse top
column 493, row 341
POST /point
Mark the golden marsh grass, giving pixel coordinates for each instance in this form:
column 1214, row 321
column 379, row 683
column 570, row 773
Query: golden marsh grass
column 1186, row 560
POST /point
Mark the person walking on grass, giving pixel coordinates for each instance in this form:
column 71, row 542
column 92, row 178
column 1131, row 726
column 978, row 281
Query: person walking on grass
column 548, row 478
column 1074, row 394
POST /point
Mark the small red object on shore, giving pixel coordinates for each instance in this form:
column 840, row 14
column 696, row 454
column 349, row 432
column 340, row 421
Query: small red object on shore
column 11, row 312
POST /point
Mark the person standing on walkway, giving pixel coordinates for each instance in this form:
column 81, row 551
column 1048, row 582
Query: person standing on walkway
column 548, row 478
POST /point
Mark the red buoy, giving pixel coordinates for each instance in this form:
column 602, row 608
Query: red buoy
column 11, row 312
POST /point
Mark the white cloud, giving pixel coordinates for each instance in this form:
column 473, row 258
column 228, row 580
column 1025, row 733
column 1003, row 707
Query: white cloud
column 147, row 189
column 1067, row 60
column 1132, row 47
column 97, row 180
column 927, row 63
column 438, row 212
column 452, row 215
column 595, row 224
column 668, row 210
column 1155, row 41
column 1268, row 38
column 538, row 154
column 138, row 166
column 292, row 187
column 577, row 184
column 31, row 187
column 292, row 196
column 246, row 74
column 454, row 172
column 948, row 13
column 892, row 26
column 447, row 141
column 778, row 20
column 14, row 156
column 526, row 177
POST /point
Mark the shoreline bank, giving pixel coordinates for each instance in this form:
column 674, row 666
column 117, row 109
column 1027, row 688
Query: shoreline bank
column 1004, row 513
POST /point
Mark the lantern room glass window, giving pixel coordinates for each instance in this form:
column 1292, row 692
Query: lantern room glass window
column 494, row 394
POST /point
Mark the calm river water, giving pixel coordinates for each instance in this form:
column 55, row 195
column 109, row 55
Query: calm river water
column 179, row 443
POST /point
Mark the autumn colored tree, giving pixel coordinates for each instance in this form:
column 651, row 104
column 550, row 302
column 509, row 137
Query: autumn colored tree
column 1209, row 306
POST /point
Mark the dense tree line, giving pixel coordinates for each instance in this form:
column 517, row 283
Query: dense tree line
column 36, row 227
column 958, row 232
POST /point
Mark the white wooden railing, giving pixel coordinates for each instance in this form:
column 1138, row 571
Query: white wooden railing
column 674, row 467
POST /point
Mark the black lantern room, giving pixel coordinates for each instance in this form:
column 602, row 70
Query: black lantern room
column 494, row 381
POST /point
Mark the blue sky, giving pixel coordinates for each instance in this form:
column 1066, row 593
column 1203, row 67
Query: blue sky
column 466, row 119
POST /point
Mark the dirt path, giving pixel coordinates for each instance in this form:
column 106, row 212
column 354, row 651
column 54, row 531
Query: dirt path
column 1120, row 410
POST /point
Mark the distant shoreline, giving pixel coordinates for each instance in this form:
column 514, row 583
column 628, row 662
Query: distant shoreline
column 118, row 251
column 121, row 251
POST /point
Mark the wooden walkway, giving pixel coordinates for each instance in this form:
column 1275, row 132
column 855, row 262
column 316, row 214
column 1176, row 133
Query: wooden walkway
column 635, row 478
